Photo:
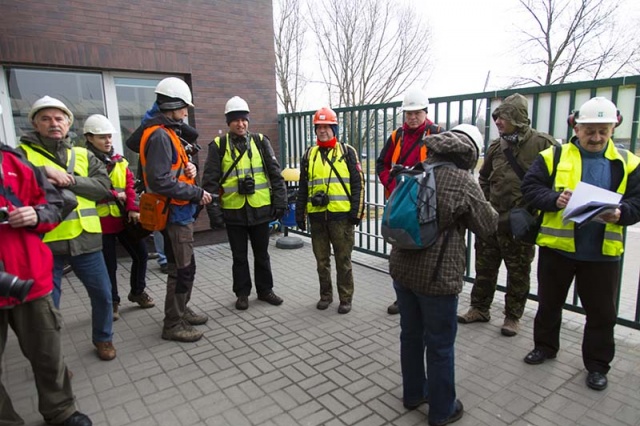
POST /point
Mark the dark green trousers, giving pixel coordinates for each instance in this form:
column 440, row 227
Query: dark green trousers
column 517, row 256
column 37, row 326
column 340, row 235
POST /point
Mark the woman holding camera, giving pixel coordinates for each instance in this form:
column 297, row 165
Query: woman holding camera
column 332, row 193
column 98, row 131
column 242, row 167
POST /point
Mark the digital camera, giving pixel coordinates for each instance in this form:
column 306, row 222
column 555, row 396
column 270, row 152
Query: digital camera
column 12, row 286
column 320, row 199
column 246, row 185
column 4, row 215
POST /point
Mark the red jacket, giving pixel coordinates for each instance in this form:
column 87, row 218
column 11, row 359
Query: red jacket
column 114, row 225
column 22, row 251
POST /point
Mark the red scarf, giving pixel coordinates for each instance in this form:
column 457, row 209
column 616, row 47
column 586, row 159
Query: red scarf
column 411, row 136
column 331, row 143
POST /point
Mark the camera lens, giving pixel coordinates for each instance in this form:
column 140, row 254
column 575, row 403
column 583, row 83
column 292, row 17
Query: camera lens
column 4, row 215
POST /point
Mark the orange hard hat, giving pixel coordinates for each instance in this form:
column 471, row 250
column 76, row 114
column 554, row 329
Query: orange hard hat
column 325, row 116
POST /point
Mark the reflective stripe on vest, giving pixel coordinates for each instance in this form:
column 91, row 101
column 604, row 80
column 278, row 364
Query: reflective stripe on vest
column 554, row 233
column 231, row 199
column 118, row 178
column 397, row 146
column 177, row 168
column 85, row 216
column 323, row 178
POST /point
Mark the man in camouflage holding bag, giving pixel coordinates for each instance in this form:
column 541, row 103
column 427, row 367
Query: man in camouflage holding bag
column 505, row 163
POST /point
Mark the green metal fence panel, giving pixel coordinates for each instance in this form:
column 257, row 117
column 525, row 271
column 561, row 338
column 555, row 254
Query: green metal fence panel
column 367, row 128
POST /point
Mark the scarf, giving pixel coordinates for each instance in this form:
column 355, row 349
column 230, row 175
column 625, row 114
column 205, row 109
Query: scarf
column 331, row 143
column 105, row 157
column 411, row 136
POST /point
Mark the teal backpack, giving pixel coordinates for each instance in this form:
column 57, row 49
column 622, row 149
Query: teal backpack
column 410, row 218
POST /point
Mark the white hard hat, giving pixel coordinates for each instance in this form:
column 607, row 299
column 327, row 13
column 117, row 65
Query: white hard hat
column 415, row 100
column 98, row 124
column 473, row 133
column 49, row 102
column 173, row 87
column 236, row 104
column 597, row 110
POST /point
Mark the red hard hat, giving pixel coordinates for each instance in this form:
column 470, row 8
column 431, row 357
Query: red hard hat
column 325, row 116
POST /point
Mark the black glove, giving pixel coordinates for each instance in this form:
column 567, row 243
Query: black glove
column 216, row 219
column 279, row 214
column 397, row 168
column 355, row 221
column 302, row 225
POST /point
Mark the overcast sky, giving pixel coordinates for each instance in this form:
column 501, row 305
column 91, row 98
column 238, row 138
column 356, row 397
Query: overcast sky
column 470, row 38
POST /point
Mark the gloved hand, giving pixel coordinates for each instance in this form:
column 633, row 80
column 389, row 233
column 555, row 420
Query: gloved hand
column 216, row 219
column 397, row 168
column 302, row 225
column 355, row 221
column 279, row 214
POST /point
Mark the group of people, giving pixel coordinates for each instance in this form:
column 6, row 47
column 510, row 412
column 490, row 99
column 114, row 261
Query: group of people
column 69, row 205
column 522, row 169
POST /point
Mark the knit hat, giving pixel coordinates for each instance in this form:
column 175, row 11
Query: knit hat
column 235, row 115
column 334, row 128
column 166, row 103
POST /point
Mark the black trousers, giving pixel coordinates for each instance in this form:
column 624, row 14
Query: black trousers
column 259, row 237
column 597, row 287
column 138, row 252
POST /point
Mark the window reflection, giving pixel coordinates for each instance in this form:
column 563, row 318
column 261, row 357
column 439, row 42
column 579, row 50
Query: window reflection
column 82, row 93
column 135, row 97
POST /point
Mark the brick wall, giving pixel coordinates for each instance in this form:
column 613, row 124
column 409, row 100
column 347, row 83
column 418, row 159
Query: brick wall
column 222, row 48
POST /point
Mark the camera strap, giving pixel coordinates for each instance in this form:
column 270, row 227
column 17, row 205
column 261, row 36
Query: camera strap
column 333, row 168
column 233, row 165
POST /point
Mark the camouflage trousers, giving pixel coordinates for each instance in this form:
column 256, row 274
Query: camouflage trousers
column 517, row 256
column 340, row 235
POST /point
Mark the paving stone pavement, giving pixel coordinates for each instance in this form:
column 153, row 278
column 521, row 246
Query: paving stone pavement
column 295, row 365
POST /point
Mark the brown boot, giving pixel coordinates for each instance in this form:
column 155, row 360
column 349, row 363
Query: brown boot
column 182, row 332
column 106, row 350
column 474, row 315
column 324, row 302
column 344, row 308
column 510, row 327
column 143, row 300
column 193, row 318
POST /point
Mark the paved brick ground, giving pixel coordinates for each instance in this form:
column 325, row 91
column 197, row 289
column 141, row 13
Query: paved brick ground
column 295, row 365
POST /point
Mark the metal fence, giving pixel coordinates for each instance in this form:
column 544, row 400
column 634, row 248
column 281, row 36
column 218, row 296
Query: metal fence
column 367, row 127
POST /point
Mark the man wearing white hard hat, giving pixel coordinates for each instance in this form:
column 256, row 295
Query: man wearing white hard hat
column 242, row 167
column 428, row 282
column 78, row 238
column 589, row 254
column 168, row 172
column 405, row 146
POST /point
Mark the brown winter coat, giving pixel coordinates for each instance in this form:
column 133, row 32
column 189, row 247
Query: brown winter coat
column 461, row 206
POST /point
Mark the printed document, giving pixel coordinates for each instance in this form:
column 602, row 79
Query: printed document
column 588, row 202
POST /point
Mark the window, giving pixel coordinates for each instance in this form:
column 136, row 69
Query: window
column 82, row 92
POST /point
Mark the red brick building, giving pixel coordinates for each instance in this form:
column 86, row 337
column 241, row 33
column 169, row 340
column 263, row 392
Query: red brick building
column 106, row 57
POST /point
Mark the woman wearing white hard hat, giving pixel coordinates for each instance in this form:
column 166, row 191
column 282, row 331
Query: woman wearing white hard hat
column 115, row 210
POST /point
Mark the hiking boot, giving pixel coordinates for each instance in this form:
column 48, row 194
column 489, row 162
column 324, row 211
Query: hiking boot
column 393, row 308
column 474, row 315
column 510, row 327
column 193, row 318
column 242, row 304
column 143, row 300
column 324, row 303
column 106, row 351
column 344, row 308
column 182, row 332
column 75, row 419
column 270, row 298
column 116, row 314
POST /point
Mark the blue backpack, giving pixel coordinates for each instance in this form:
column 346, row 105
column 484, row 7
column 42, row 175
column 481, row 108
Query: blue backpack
column 410, row 218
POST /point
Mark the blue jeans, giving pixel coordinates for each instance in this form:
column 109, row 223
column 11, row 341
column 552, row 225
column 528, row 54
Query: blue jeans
column 92, row 271
column 158, row 242
column 428, row 323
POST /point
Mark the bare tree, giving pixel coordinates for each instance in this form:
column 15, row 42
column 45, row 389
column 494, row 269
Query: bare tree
column 289, row 44
column 574, row 39
column 369, row 50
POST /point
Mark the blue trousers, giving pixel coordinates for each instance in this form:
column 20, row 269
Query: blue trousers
column 428, row 324
column 92, row 272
